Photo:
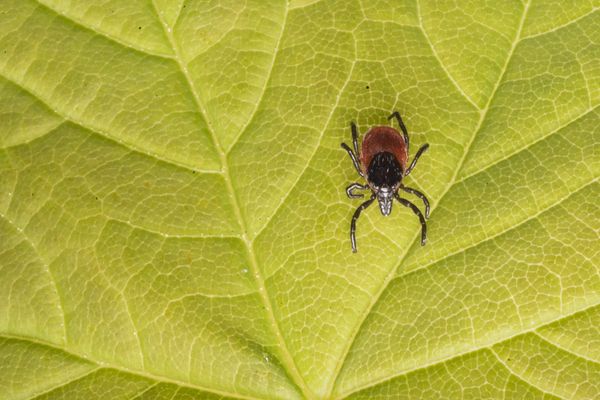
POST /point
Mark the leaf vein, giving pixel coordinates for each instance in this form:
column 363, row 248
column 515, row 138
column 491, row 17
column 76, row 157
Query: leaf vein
column 48, row 131
column 104, row 134
column 267, row 81
column 287, row 359
column 390, row 276
column 109, row 365
column 138, row 395
column 439, row 60
column 529, row 145
column 500, row 233
column 482, row 346
column 558, row 346
column 519, row 377
column 50, row 275
column 312, row 156
column 65, row 383
column 559, row 27
column 104, row 34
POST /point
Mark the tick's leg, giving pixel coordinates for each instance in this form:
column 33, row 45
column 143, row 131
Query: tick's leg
column 416, row 210
column 353, row 157
column 355, row 137
column 419, row 195
column 354, row 218
column 355, row 186
column 416, row 158
column 396, row 115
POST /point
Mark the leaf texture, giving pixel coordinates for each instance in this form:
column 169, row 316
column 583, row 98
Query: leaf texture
column 173, row 222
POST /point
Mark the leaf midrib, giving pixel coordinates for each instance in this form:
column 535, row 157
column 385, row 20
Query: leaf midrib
column 287, row 359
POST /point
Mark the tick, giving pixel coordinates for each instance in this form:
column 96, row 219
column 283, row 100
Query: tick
column 382, row 162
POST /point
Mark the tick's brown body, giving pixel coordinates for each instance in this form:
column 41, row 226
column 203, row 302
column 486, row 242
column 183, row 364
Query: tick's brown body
column 383, row 139
column 383, row 163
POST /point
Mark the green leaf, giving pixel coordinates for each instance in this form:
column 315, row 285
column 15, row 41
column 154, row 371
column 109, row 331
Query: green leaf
column 173, row 221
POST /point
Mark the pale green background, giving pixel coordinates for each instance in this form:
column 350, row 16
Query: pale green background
column 173, row 222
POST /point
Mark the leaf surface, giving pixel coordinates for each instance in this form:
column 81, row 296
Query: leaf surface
column 173, row 222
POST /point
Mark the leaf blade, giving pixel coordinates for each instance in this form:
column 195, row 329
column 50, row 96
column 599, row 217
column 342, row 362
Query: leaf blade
column 196, row 230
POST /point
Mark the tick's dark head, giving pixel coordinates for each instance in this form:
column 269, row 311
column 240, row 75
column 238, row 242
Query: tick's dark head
column 384, row 176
